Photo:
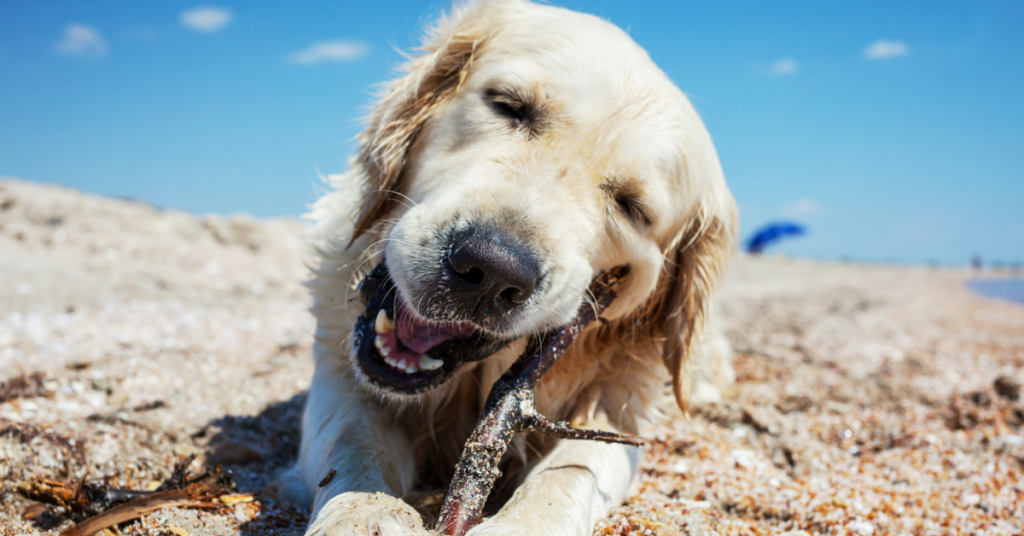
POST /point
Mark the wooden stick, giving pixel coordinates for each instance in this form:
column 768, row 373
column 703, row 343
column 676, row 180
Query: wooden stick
column 510, row 409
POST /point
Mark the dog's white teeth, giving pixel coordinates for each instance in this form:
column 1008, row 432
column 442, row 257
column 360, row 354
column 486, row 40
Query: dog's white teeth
column 408, row 368
column 383, row 324
column 429, row 363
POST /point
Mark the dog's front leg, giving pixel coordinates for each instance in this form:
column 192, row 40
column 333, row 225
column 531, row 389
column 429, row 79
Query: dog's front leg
column 369, row 458
column 567, row 492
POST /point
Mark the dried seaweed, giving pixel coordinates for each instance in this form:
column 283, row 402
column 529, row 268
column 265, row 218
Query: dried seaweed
column 197, row 494
column 24, row 386
column 103, row 506
column 510, row 409
column 27, row 432
column 81, row 499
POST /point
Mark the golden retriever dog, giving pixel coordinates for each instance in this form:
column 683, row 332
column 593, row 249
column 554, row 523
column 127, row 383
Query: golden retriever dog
column 524, row 151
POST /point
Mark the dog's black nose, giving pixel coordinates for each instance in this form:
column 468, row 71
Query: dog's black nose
column 489, row 273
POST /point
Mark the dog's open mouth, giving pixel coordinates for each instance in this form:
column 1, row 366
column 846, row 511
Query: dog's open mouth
column 400, row 351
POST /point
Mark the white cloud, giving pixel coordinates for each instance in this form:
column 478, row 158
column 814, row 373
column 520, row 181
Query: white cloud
column 206, row 19
column 784, row 67
column 884, row 49
column 81, row 40
column 330, row 51
column 139, row 34
column 801, row 208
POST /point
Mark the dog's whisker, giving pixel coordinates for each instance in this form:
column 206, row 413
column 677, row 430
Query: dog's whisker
column 368, row 258
column 411, row 200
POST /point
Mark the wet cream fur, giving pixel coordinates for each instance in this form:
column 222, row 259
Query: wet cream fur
column 435, row 153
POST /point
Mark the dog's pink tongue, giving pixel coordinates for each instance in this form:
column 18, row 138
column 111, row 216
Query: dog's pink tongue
column 420, row 336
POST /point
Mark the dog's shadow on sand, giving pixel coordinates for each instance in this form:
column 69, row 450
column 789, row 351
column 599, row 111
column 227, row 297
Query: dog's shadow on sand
column 255, row 449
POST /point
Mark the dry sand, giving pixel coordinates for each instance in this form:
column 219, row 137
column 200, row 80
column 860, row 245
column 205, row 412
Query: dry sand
column 866, row 400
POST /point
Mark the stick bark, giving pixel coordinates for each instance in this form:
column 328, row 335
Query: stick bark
column 510, row 409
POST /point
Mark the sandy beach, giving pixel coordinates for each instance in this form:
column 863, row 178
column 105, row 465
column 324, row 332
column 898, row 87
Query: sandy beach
column 869, row 400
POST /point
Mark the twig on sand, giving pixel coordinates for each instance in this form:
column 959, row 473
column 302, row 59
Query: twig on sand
column 82, row 498
column 198, row 494
column 113, row 506
column 510, row 409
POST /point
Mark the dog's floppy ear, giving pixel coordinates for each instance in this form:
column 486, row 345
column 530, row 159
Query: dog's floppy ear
column 405, row 106
column 694, row 262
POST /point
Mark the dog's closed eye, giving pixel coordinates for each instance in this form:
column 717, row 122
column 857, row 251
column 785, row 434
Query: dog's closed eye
column 628, row 201
column 633, row 208
column 519, row 109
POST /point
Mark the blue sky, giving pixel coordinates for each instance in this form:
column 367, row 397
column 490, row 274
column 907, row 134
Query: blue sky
column 894, row 130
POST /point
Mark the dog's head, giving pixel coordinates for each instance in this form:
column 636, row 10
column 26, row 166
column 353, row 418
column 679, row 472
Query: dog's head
column 526, row 150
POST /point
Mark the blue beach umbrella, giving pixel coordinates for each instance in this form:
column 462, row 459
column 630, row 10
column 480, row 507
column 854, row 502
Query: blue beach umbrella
column 771, row 233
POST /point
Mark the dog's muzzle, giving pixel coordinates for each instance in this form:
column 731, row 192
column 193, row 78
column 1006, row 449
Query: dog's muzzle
column 481, row 280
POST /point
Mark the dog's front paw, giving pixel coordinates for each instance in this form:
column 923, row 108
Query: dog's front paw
column 367, row 514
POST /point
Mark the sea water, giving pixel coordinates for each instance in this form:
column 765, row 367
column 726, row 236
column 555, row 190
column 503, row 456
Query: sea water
column 1005, row 289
